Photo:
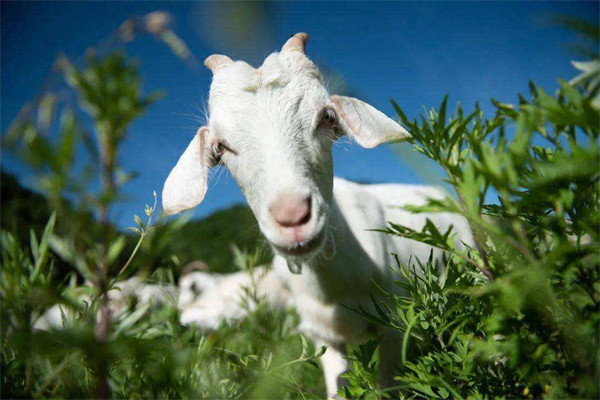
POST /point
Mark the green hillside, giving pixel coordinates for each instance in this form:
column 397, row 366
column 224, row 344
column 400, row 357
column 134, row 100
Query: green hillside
column 210, row 239
column 21, row 209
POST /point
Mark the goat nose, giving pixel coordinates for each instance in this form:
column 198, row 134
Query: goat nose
column 290, row 210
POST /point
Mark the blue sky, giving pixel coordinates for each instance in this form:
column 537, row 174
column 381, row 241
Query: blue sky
column 413, row 52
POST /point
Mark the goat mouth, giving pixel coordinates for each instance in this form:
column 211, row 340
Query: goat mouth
column 302, row 248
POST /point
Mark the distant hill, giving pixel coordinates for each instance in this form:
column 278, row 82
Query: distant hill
column 21, row 209
column 209, row 239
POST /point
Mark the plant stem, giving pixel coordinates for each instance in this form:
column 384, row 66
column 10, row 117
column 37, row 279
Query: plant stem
column 102, row 327
column 141, row 239
column 485, row 268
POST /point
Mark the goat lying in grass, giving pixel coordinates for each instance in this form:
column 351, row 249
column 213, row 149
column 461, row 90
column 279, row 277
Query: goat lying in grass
column 274, row 127
column 204, row 299
column 207, row 299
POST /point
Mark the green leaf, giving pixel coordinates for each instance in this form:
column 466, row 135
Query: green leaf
column 41, row 255
column 115, row 249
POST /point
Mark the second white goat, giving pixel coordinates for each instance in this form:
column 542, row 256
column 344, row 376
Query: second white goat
column 208, row 299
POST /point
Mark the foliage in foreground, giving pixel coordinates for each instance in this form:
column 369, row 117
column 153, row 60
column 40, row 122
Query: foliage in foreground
column 150, row 354
column 516, row 314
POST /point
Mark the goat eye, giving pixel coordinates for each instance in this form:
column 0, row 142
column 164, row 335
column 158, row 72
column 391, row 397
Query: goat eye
column 329, row 116
column 217, row 151
column 327, row 119
column 219, row 148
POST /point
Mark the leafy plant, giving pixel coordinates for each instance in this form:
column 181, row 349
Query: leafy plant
column 517, row 314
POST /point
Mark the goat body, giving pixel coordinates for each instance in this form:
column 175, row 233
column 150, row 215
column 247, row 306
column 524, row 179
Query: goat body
column 329, row 286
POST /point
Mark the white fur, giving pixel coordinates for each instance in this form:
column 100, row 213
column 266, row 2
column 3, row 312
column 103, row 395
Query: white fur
column 271, row 119
column 206, row 300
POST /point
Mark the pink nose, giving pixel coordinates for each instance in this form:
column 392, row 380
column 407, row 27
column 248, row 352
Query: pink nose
column 291, row 210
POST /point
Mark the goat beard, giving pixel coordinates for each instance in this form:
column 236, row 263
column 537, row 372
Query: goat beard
column 327, row 252
column 294, row 267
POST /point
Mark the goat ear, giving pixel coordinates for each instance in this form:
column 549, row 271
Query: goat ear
column 186, row 185
column 364, row 123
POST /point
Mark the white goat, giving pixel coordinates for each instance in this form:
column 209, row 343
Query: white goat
column 207, row 299
column 274, row 127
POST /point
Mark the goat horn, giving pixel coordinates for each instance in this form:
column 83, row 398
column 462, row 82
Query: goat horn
column 297, row 43
column 216, row 62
